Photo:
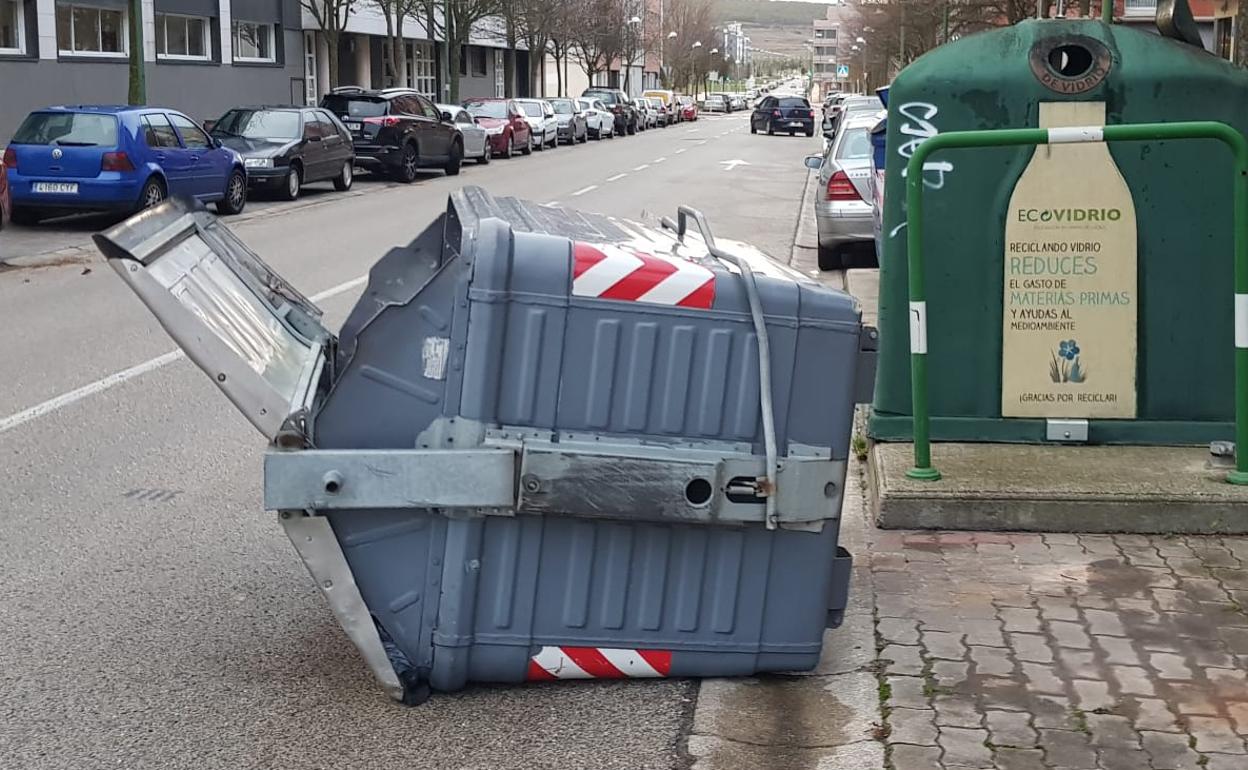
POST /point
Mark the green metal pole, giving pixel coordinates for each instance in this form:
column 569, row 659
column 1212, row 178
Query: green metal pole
column 1107, row 11
column 1140, row 132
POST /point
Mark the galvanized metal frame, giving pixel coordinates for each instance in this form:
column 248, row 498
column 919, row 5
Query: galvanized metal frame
column 1137, row 132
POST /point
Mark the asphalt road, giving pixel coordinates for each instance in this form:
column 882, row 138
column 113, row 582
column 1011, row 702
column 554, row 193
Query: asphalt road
column 154, row 616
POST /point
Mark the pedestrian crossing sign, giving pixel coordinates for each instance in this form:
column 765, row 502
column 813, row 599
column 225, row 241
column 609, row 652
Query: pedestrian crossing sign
column 842, row 71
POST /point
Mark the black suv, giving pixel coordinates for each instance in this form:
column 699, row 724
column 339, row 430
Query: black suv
column 397, row 131
column 621, row 106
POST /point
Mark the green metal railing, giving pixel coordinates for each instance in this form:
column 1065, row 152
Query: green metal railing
column 1138, row 132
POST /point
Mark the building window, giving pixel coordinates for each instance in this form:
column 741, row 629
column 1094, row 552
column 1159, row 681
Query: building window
column 500, row 73
column 476, row 60
column 12, row 27
column 253, row 41
column 422, row 69
column 181, row 37
column 85, row 31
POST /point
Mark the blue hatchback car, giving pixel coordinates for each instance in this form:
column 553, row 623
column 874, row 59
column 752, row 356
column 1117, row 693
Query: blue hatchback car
column 110, row 158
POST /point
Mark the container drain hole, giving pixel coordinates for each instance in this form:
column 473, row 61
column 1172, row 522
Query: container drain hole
column 698, row 491
column 332, row 487
column 1071, row 60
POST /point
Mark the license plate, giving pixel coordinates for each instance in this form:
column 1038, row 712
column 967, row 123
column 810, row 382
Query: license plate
column 354, row 126
column 70, row 188
column 796, row 124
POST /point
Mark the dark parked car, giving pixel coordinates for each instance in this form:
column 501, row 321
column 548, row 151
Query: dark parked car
column 396, row 131
column 506, row 128
column 285, row 148
column 787, row 114
column 573, row 124
column 117, row 158
column 627, row 117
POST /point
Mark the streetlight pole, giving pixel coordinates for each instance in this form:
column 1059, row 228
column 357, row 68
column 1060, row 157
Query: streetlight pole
column 663, row 65
column 693, row 76
column 633, row 24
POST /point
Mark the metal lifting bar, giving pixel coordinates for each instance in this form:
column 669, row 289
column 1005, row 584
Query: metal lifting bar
column 683, row 213
column 1137, row 132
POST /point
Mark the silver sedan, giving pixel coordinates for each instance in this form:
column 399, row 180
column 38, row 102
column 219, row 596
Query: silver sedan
column 842, row 205
column 474, row 135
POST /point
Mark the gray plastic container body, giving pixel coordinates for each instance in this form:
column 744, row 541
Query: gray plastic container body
column 474, row 598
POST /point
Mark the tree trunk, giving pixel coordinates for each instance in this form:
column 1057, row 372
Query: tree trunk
column 1239, row 44
column 452, row 67
column 509, row 62
column 331, row 38
column 558, row 74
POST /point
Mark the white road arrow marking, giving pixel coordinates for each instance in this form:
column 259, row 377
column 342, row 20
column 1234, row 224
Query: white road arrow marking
column 729, row 165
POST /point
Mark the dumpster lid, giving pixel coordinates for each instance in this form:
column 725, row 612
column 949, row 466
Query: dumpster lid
column 255, row 335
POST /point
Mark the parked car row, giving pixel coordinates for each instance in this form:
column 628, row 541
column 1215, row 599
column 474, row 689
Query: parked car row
column 78, row 158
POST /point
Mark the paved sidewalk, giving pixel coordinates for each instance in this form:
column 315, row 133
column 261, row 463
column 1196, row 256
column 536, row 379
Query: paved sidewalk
column 1021, row 651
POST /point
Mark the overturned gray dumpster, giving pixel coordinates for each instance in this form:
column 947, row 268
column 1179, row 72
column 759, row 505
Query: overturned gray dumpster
column 545, row 444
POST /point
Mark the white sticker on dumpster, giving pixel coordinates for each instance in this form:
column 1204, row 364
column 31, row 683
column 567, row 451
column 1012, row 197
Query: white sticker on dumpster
column 918, row 328
column 434, row 354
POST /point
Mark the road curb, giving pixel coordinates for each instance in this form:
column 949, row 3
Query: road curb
column 828, row 717
column 805, row 219
column 71, row 255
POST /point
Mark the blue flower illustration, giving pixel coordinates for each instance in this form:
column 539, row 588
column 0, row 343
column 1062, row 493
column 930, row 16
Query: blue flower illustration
column 1060, row 367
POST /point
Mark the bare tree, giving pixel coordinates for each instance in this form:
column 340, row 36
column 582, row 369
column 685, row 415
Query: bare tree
column 598, row 38
column 331, row 16
column 395, row 12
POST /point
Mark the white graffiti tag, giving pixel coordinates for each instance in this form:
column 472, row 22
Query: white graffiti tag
column 919, row 116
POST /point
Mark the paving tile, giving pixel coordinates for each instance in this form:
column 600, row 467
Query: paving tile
column 1236, row 639
column 984, row 631
column 991, row 661
column 1224, row 762
column 1169, row 751
column 1191, row 699
column 1101, row 622
column 902, row 659
column 1065, row 748
column 1117, row 650
column 1020, row 759
column 950, row 673
column 943, row 645
column 965, row 747
column 1052, row 712
column 1238, row 711
column 1020, row 619
column 898, row 630
column 1123, row 759
column 1082, row 664
column 1010, row 728
column 1043, row 678
column 907, row 692
column 957, row 711
column 1057, row 608
column 1153, row 714
column 1030, row 647
column 1008, row 694
column 1170, row 666
column 916, row 757
column 1174, row 600
column 915, row 726
column 1090, row 695
column 1207, row 652
column 1133, row 680
column 1068, row 634
column 1203, row 589
column 1214, row 734
column 1111, row 731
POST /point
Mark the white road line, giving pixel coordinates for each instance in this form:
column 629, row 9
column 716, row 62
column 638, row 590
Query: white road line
column 617, row 177
column 642, row 167
column 702, row 142
column 116, row 378
column 551, row 204
column 584, row 190
column 658, row 160
column 682, row 149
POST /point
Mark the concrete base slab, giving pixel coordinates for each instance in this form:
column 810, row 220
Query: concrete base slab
column 1033, row 488
column 718, row 754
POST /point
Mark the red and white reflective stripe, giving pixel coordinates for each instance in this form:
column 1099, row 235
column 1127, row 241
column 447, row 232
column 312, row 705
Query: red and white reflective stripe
column 631, row 275
column 598, row 663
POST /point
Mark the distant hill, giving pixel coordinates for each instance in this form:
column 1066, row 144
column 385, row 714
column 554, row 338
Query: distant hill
column 771, row 12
